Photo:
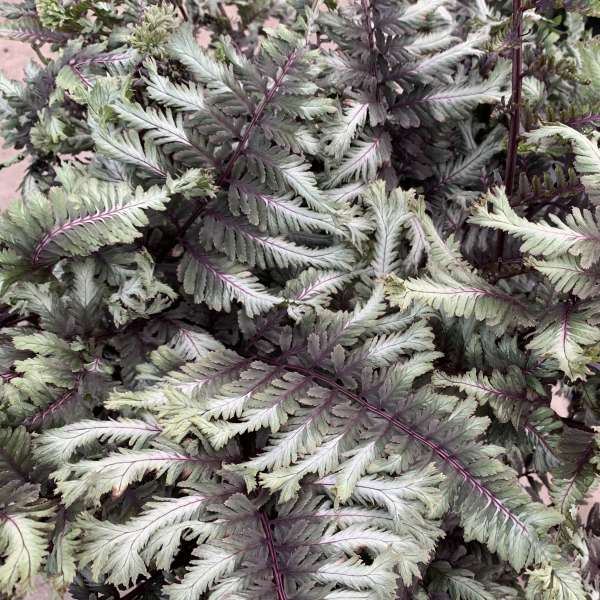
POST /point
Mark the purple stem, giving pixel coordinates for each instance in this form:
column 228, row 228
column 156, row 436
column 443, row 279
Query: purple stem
column 515, row 108
column 277, row 574
column 435, row 447
column 254, row 121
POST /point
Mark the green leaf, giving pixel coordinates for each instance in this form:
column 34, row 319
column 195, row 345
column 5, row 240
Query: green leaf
column 126, row 549
column 213, row 279
column 24, row 539
column 587, row 153
column 44, row 229
column 565, row 333
column 578, row 234
column 461, row 295
column 59, row 445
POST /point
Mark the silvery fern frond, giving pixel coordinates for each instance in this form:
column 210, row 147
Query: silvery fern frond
column 272, row 328
column 578, row 234
column 25, row 518
column 102, row 215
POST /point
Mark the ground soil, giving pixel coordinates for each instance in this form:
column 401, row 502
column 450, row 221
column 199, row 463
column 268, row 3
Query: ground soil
column 14, row 56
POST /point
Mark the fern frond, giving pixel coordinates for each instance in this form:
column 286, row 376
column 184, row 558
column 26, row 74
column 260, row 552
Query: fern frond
column 451, row 102
column 576, row 476
column 467, row 169
column 513, row 535
column 89, row 480
column 460, row 295
column 197, row 380
column 567, row 276
column 276, row 213
column 344, row 127
column 413, row 15
column 218, row 282
column 25, row 524
column 504, row 392
column 565, row 333
column 578, row 235
column 104, row 214
column 184, row 97
column 390, row 214
column 555, row 580
column 59, row 445
column 242, row 243
column 587, row 154
column 556, row 184
column 15, row 456
column 206, row 70
column 458, row 583
column 127, row 147
column 442, row 63
column 24, row 533
column 124, row 550
column 165, row 130
column 362, row 160
column 29, row 29
column 287, row 171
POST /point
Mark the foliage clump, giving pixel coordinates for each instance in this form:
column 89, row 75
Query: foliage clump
column 285, row 316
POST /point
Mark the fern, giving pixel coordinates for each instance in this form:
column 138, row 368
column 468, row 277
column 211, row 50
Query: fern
column 24, row 517
column 562, row 334
column 270, row 326
column 577, row 235
column 464, row 296
column 586, row 152
column 107, row 215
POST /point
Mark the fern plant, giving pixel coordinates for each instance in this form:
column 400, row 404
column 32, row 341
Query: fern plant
column 286, row 314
